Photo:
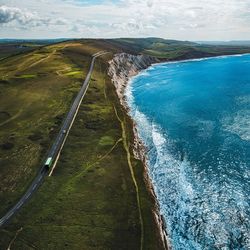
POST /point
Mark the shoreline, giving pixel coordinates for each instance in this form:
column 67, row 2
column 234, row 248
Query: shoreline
column 139, row 150
column 122, row 68
column 192, row 60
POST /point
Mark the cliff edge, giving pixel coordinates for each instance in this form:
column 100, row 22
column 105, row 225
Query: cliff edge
column 122, row 67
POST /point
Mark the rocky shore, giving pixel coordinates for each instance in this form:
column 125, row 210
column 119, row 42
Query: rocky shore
column 122, row 67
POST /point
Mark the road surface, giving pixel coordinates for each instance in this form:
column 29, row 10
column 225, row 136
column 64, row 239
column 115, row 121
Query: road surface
column 57, row 146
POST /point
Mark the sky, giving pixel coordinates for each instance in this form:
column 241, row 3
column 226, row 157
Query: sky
column 194, row 20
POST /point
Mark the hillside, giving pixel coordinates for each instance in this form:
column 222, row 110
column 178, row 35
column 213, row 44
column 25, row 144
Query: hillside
column 172, row 49
column 90, row 200
column 244, row 43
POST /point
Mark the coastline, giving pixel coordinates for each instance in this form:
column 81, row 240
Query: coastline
column 93, row 192
column 121, row 73
column 120, row 78
column 192, row 60
column 122, row 68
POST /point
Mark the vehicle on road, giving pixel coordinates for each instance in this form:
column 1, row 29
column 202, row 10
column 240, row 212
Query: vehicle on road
column 48, row 162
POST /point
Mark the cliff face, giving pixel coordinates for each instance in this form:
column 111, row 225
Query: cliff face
column 123, row 66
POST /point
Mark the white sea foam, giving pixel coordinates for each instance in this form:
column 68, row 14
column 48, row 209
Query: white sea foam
column 203, row 209
column 194, row 206
column 201, row 213
column 163, row 65
column 198, row 59
column 239, row 124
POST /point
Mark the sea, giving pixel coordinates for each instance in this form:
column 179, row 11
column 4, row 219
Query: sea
column 193, row 117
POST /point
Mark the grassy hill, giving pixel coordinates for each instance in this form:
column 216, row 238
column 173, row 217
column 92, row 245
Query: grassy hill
column 244, row 43
column 172, row 49
column 90, row 201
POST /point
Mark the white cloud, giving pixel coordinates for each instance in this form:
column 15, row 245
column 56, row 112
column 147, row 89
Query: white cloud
column 19, row 18
column 182, row 19
column 9, row 14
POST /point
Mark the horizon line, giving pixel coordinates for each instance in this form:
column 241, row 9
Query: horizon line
column 101, row 38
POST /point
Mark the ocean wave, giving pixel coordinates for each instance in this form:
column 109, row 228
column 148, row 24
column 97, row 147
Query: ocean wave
column 163, row 65
column 238, row 124
column 199, row 212
column 204, row 202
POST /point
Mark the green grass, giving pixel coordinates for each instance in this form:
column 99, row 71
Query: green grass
column 41, row 98
column 73, row 73
column 106, row 141
column 26, row 76
column 172, row 49
column 90, row 200
column 14, row 48
column 97, row 197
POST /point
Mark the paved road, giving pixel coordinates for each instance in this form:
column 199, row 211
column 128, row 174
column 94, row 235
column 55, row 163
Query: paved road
column 57, row 146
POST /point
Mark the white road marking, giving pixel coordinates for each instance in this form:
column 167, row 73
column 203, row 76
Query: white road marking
column 27, row 196
column 19, row 205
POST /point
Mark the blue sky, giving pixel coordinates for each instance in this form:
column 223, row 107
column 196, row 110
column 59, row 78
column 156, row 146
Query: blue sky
column 182, row 19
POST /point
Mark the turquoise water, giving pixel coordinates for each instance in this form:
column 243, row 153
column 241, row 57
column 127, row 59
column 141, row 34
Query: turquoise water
column 194, row 118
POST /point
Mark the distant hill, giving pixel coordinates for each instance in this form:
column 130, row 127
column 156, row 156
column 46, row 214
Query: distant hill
column 173, row 49
column 227, row 43
column 151, row 44
column 37, row 41
column 9, row 47
column 162, row 48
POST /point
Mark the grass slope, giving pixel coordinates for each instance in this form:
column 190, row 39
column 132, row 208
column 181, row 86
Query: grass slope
column 97, row 197
column 90, row 202
column 174, row 50
column 33, row 99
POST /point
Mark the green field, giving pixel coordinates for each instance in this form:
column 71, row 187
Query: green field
column 34, row 97
column 97, row 197
column 90, row 200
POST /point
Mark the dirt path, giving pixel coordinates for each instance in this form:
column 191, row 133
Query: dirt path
column 52, row 53
column 13, row 240
column 126, row 147
column 13, row 117
column 100, row 159
column 66, row 68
